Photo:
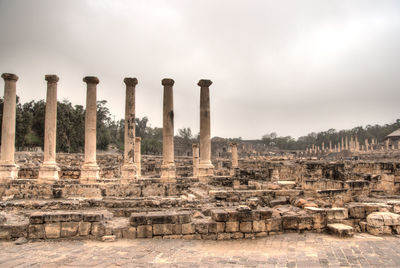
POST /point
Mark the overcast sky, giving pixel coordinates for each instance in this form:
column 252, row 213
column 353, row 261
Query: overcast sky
column 291, row 67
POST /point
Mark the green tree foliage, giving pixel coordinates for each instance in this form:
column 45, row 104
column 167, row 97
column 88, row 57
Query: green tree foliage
column 378, row 132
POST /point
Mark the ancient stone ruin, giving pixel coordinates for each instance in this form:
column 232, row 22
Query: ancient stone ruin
column 337, row 188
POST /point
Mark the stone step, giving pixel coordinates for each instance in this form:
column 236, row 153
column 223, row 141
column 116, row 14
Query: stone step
column 340, row 230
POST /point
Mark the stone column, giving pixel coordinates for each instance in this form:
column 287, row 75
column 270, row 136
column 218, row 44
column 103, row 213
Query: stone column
column 339, row 148
column 8, row 168
column 48, row 171
column 128, row 170
column 235, row 161
column 206, row 168
column 346, row 143
column 398, row 145
column 330, row 146
column 195, row 150
column 168, row 170
column 366, row 144
column 138, row 156
column 90, row 169
column 387, row 144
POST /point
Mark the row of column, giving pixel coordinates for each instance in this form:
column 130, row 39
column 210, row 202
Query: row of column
column 48, row 172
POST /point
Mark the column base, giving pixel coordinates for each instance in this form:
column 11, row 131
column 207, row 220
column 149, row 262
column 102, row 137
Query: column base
column 8, row 172
column 168, row 173
column 205, row 171
column 90, row 173
column 48, row 174
column 128, row 173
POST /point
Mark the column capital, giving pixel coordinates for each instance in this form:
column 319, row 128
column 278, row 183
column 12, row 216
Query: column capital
column 167, row 82
column 51, row 78
column 130, row 81
column 204, row 83
column 91, row 80
column 8, row 76
column 138, row 138
column 195, row 145
column 233, row 144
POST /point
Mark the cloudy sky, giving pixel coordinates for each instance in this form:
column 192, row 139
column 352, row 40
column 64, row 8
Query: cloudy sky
column 286, row 66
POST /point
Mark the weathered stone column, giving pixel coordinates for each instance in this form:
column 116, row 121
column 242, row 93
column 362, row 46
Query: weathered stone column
column 48, row 171
column 138, row 156
column 168, row 170
column 206, row 168
column 195, row 150
column 330, row 146
column 366, row 145
column 90, row 169
column 235, row 161
column 387, row 144
column 346, row 143
column 128, row 169
column 8, row 168
column 398, row 145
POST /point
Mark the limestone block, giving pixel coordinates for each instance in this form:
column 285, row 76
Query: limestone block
column 259, row 226
column 219, row 215
column 265, row 213
column 69, row 229
column 92, row 217
column 357, row 211
column 201, row 226
column 262, row 234
column 162, row 229
column 212, row 227
column 246, row 227
column 335, row 214
column 144, row 231
column 290, row 222
column 36, row 231
column 378, row 219
column 225, row 236
column 381, row 230
column 305, row 222
column 129, row 233
column 137, row 219
column 98, row 229
column 340, row 230
column 249, row 235
column 176, row 229
column 108, row 238
column 192, row 236
column 84, row 228
column 232, row 226
column 220, row 227
column 274, row 224
column 188, row 228
column 52, row 230
column 172, row 237
column 209, row 236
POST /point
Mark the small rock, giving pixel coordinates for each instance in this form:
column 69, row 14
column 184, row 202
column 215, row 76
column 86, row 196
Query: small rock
column 108, row 238
column 21, row 240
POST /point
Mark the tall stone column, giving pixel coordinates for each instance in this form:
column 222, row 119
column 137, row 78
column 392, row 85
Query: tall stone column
column 8, row 168
column 366, row 145
column 48, row 171
column 168, row 170
column 128, row 170
column 235, row 161
column 90, row 169
column 195, row 150
column 346, row 143
column 138, row 156
column 206, row 168
column 398, row 145
column 330, row 146
column 387, row 144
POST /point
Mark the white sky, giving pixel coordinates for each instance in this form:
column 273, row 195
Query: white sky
column 286, row 66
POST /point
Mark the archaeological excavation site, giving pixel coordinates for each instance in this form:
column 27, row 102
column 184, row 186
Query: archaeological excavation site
column 341, row 189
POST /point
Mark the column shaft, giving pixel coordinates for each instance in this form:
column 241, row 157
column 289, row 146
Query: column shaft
column 205, row 167
column 90, row 169
column 48, row 172
column 128, row 169
column 8, row 168
column 168, row 164
column 195, row 149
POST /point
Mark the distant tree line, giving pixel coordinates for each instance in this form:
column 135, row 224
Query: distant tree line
column 30, row 119
column 369, row 132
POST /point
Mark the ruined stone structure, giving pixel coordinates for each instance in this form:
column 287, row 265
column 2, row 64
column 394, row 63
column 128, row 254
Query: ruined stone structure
column 340, row 190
